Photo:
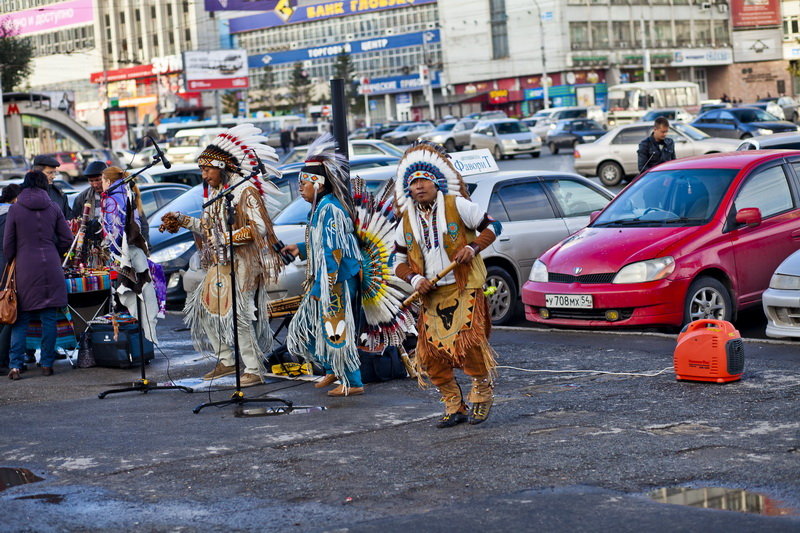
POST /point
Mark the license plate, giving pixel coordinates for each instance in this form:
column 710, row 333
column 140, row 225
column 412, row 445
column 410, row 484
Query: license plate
column 589, row 138
column 583, row 301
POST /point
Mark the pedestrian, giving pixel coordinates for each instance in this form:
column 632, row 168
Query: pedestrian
column 324, row 327
column 656, row 147
column 124, row 236
column 49, row 166
column 91, row 194
column 209, row 310
column 7, row 198
column 439, row 226
column 286, row 139
column 36, row 235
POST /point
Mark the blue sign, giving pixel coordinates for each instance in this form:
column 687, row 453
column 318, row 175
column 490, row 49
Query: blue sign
column 353, row 47
column 286, row 14
column 398, row 84
column 402, row 98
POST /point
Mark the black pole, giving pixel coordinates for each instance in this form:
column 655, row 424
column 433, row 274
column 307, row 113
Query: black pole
column 339, row 104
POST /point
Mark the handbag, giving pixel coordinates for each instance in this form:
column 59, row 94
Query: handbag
column 8, row 294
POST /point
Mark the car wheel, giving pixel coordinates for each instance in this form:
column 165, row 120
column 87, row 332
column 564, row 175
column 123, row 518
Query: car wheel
column 610, row 173
column 535, row 154
column 450, row 145
column 707, row 298
column 498, row 154
column 503, row 302
column 553, row 148
column 745, row 136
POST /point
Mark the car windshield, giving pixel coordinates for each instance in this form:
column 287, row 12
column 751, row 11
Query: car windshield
column 504, row 128
column 586, row 125
column 447, row 126
column 669, row 197
column 652, row 115
column 297, row 211
column 690, row 131
column 403, row 128
column 752, row 115
column 390, row 149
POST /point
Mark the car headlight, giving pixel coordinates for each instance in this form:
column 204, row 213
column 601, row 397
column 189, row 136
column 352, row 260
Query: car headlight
column 643, row 271
column 509, row 141
column 764, row 131
column 537, row 139
column 538, row 272
column 171, row 252
column 785, row 282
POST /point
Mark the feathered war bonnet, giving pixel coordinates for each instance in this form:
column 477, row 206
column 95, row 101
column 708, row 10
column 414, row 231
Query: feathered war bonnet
column 237, row 151
column 427, row 160
column 324, row 166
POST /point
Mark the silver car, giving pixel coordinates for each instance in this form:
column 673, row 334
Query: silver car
column 407, row 133
column 452, row 135
column 612, row 157
column 786, row 141
column 505, row 137
column 781, row 299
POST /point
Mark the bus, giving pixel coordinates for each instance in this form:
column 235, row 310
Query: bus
column 627, row 102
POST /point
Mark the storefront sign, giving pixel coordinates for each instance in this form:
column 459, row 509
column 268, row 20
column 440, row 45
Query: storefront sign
column 752, row 13
column 498, row 97
column 353, row 47
column 698, row 57
column 397, row 84
column 53, row 16
column 215, row 69
column 315, row 11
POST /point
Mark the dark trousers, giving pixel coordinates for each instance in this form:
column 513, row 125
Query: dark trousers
column 5, row 345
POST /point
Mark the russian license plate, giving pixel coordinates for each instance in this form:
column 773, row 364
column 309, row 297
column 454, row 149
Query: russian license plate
column 583, row 301
column 589, row 138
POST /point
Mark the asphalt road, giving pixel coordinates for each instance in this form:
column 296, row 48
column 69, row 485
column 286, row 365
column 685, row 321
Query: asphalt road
column 577, row 451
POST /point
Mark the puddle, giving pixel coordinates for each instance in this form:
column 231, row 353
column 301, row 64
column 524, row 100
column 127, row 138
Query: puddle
column 11, row 477
column 277, row 410
column 46, row 498
column 723, row 499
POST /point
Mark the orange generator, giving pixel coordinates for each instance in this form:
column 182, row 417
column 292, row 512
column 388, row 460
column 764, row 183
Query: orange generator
column 709, row 350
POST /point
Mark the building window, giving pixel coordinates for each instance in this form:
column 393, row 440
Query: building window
column 579, row 35
column 622, row 34
column 497, row 11
column 600, row 34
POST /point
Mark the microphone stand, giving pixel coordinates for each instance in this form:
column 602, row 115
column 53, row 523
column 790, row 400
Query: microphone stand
column 143, row 384
column 238, row 399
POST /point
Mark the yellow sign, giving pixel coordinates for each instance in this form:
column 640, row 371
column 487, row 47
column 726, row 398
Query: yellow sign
column 284, row 10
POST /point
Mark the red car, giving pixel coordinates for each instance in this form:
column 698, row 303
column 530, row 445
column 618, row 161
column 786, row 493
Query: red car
column 692, row 238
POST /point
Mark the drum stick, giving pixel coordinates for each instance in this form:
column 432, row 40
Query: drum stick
column 435, row 280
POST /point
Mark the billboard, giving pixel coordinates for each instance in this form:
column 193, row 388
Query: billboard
column 287, row 12
column 215, row 69
column 758, row 45
column 53, row 17
column 752, row 13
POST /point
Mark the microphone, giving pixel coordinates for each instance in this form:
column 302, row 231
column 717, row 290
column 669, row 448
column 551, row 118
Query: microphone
column 262, row 170
column 160, row 154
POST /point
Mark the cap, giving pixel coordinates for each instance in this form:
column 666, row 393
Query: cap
column 94, row 168
column 46, row 161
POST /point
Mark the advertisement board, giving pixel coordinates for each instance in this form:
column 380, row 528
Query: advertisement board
column 758, row 45
column 118, row 128
column 52, row 17
column 753, row 13
column 215, row 69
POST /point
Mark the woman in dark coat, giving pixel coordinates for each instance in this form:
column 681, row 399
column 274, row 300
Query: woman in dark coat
column 7, row 197
column 37, row 235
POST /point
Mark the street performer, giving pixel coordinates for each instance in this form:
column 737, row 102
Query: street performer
column 324, row 327
column 209, row 309
column 441, row 225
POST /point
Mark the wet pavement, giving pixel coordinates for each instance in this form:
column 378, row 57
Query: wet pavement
column 576, row 451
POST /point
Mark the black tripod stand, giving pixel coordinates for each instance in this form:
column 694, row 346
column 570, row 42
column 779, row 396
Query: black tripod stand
column 238, row 399
column 143, row 385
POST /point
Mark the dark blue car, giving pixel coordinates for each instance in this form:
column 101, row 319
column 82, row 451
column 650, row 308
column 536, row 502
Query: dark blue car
column 741, row 123
column 571, row 132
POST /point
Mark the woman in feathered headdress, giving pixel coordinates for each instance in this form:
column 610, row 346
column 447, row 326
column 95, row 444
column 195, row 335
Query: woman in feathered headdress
column 209, row 309
column 324, row 327
column 439, row 226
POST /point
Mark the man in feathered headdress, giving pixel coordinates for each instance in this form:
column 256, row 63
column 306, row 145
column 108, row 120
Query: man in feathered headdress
column 209, row 309
column 324, row 327
column 441, row 225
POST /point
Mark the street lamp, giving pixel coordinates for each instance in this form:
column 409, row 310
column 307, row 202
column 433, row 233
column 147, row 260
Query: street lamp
column 545, row 91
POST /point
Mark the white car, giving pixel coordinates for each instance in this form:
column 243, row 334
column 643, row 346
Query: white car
column 357, row 147
column 781, row 300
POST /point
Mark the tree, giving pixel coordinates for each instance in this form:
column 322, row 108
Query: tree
column 267, row 87
column 343, row 68
column 16, row 54
column 299, row 88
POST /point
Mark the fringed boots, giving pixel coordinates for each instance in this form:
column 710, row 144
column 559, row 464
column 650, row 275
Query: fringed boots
column 455, row 411
column 481, row 398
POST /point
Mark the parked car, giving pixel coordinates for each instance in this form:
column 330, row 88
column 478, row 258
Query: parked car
column 538, row 125
column 13, row 167
column 689, row 239
column 99, row 154
column 452, row 135
column 780, row 300
column 505, row 137
column 183, row 173
column 788, row 104
column 571, row 132
column 770, row 107
column 671, row 114
column 786, row 141
column 145, row 156
column 741, row 123
column 613, row 159
column 709, row 105
column 306, row 133
column 407, row 133
column 187, row 144
column 485, row 115
column 358, row 147
column 70, row 164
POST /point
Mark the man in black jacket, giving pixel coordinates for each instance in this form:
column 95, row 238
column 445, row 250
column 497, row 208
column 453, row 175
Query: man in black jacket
column 657, row 147
column 48, row 165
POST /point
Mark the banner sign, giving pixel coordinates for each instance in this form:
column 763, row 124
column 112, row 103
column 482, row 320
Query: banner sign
column 352, row 47
column 284, row 13
column 750, row 13
column 215, row 69
column 699, row 57
column 397, row 84
column 52, row 17
column 118, row 128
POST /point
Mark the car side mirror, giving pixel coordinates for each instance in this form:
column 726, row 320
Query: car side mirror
column 750, row 216
column 681, row 140
column 593, row 216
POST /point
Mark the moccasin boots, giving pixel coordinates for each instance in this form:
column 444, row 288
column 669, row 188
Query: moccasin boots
column 455, row 411
column 481, row 398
